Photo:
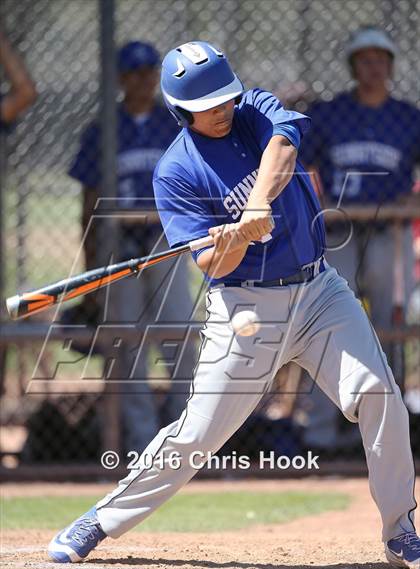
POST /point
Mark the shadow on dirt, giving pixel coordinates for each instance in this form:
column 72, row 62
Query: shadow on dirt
column 162, row 563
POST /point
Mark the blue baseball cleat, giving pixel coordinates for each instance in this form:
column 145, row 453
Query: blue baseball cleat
column 404, row 551
column 77, row 540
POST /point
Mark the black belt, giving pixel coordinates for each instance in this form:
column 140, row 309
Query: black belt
column 306, row 274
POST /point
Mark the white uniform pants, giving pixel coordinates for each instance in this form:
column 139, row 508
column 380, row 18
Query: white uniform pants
column 322, row 327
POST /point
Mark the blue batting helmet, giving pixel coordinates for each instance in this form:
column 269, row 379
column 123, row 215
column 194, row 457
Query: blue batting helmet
column 196, row 77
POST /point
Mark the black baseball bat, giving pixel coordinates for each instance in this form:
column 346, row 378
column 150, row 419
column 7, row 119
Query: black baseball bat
column 22, row 305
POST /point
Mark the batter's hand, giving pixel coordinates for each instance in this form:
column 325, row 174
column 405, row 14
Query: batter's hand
column 229, row 237
column 256, row 220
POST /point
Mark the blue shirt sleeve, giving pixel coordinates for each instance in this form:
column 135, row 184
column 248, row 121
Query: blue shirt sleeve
column 86, row 165
column 290, row 132
column 269, row 117
column 184, row 214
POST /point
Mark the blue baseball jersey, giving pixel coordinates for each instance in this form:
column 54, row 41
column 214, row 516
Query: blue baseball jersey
column 202, row 182
column 363, row 154
column 141, row 142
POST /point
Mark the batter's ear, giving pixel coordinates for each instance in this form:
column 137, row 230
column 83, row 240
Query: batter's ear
column 238, row 99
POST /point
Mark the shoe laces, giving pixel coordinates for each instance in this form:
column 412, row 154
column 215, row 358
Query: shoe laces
column 411, row 539
column 85, row 531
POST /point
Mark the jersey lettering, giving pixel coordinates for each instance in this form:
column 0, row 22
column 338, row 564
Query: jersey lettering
column 372, row 153
column 236, row 200
column 240, row 201
column 231, row 207
column 138, row 160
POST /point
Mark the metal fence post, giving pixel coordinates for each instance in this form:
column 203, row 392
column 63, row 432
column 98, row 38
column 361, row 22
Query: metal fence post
column 107, row 231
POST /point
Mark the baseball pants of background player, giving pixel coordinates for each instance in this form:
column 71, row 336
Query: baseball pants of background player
column 321, row 326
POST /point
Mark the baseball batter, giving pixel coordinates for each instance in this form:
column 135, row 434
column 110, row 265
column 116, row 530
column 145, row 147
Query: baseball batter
column 232, row 171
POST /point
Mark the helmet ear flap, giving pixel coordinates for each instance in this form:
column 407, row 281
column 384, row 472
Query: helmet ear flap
column 183, row 118
column 186, row 116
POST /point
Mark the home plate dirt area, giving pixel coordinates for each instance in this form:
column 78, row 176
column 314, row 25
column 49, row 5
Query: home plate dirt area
column 348, row 538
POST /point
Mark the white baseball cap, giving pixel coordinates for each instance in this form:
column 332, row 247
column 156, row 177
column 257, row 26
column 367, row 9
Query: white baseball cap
column 370, row 37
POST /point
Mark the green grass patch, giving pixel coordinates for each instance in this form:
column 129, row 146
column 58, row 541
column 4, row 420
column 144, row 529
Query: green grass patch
column 201, row 512
column 44, row 240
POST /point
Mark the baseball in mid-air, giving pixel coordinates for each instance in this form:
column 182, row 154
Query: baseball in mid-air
column 245, row 323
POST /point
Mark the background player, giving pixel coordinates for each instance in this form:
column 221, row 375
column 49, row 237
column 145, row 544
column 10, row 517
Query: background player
column 227, row 173
column 22, row 93
column 20, row 96
column 144, row 131
column 364, row 144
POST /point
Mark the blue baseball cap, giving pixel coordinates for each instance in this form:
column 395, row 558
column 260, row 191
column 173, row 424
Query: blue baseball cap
column 135, row 54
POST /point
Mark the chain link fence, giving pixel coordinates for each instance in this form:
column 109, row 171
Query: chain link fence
column 296, row 49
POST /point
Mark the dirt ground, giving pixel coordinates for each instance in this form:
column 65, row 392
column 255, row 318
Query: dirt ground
column 342, row 540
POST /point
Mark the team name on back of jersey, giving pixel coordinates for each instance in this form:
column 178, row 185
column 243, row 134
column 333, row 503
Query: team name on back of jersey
column 236, row 200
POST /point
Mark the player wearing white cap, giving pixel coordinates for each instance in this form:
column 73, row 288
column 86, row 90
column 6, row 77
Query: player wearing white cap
column 365, row 145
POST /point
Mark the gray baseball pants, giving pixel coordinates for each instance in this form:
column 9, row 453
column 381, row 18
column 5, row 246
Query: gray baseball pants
column 378, row 283
column 321, row 326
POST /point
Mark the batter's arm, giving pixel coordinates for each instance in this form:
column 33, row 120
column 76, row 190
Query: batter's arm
column 276, row 169
column 229, row 249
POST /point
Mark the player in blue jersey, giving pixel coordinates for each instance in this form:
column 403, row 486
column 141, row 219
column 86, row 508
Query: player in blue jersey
column 144, row 131
column 364, row 144
column 229, row 173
